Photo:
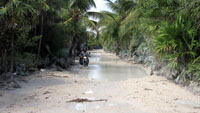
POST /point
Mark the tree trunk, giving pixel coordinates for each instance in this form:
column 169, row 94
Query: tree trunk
column 74, row 51
column 117, row 48
column 71, row 47
column 73, row 44
column 12, row 54
column 40, row 42
column 35, row 30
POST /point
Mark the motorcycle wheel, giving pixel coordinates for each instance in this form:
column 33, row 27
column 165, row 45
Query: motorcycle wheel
column 85, row 63
column 81, row 61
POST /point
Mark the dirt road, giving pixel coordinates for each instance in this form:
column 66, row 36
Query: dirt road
column 104, row 87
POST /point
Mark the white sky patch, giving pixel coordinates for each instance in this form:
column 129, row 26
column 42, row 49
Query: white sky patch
column 100, row 6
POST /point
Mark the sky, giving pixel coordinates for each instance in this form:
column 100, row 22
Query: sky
column 100, row 6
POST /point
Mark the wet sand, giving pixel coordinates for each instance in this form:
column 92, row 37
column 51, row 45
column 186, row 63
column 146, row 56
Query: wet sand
column 106, row 67
column 51, row 91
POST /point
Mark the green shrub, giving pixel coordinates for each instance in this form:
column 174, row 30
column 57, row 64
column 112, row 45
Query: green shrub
column 193, row 70
column 176, row 42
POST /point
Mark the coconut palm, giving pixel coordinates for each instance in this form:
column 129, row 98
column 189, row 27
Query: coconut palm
column 111, row 21
column 77, row 15
column 42, row 7
column 15, row 13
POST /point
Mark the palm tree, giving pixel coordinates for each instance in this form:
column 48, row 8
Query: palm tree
column 113, row 20
column 15, row 15
column 42, row 7
column 78, row 14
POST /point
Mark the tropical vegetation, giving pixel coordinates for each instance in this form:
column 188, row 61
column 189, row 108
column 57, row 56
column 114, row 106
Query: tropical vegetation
column 42, row 33
column 167, row 30
column 45, row 33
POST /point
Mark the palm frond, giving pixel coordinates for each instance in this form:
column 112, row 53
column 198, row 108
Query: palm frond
column 90, row 23
column 95, row 15
column 130, row 22
column 113, row 6
column 68, row 20
column 82, row 4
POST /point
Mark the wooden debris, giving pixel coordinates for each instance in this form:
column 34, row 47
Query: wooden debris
column 79, row 100
column 47, row 92
column 147, row 89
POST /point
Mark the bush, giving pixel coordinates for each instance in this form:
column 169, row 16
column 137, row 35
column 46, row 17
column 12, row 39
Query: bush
column 176, row 42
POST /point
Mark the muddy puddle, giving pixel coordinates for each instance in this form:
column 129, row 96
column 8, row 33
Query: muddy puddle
column 107, row 67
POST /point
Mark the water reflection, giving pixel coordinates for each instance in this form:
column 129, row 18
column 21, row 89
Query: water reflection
column 104, row 67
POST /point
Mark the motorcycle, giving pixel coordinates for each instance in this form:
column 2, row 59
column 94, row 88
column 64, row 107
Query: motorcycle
column 84, row 60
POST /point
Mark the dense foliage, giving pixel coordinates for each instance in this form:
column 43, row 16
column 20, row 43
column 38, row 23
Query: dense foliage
column 38, row 32
column 168, row 30
column 43, row 32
